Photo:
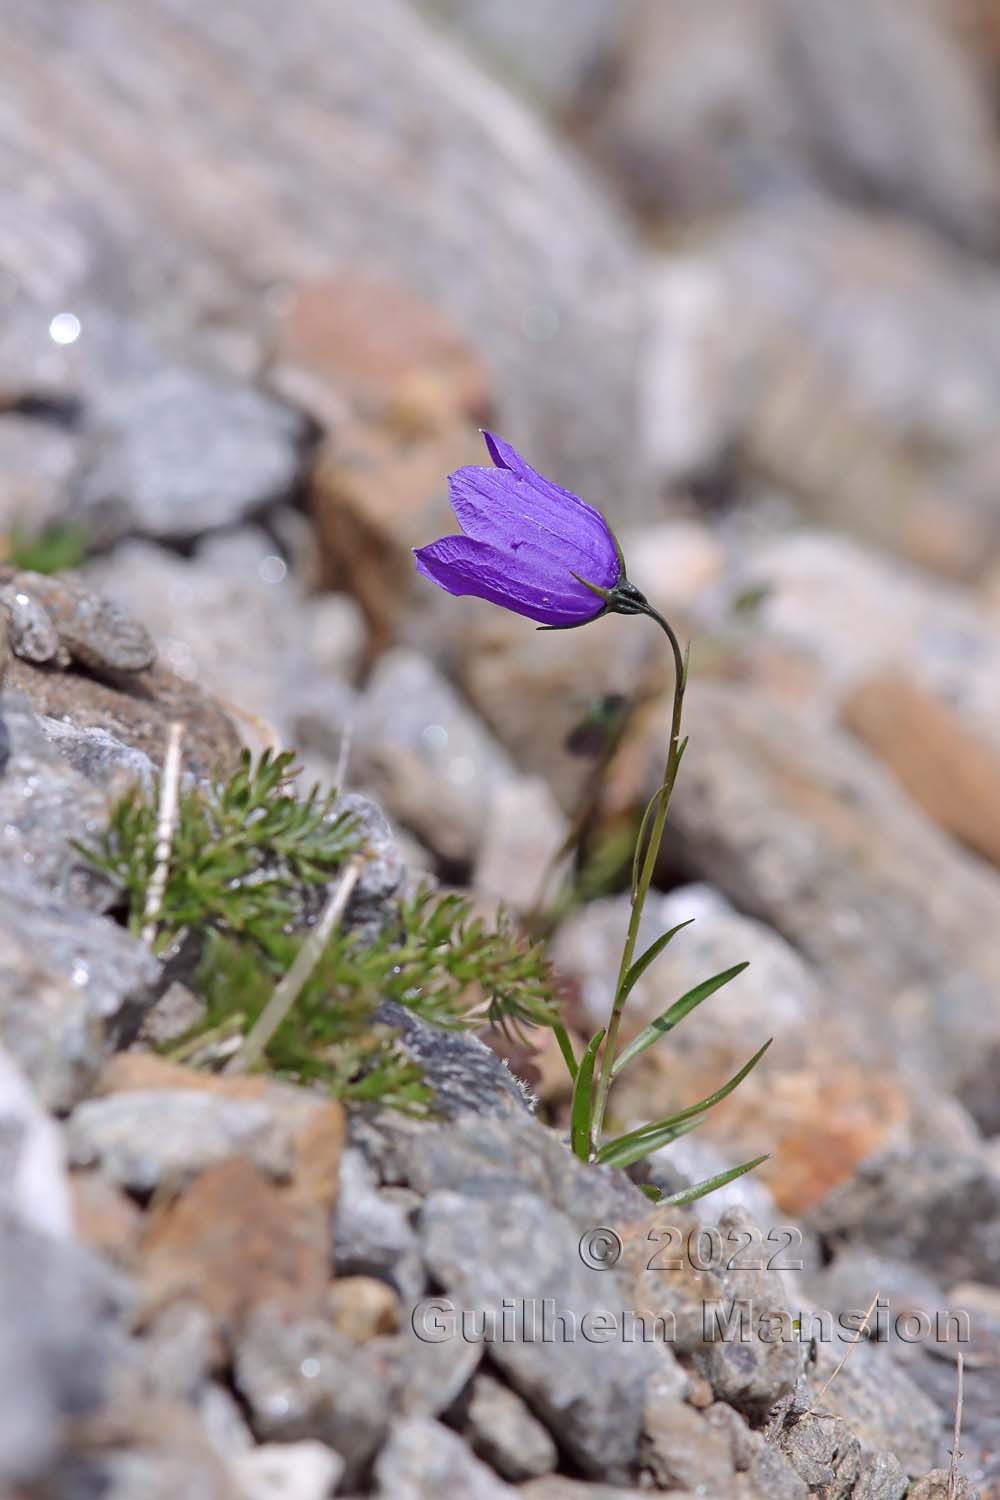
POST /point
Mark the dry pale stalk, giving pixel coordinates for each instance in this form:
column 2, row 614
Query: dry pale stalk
column 847, row 1354
column 956, row 1438
column 291, row 985
column 166, row 823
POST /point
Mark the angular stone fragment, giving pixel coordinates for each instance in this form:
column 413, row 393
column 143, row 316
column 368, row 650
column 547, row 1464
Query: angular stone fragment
column 424, row 1460
column 584, row 1380
column 72, row 987
column 94, row 631
column 181, row 453
column 503, row 1432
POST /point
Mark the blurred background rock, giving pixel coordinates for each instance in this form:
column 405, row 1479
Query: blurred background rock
column 730, row 269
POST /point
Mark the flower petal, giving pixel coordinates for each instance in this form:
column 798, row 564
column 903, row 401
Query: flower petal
column 507, row 457
column 526, row 584
column 508, row 511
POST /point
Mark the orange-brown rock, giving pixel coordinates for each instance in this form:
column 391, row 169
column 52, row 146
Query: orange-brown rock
column 376, row 496
column 314, row 1126
column 363, row 1308
column 378, row 348
column 945, row 767
column 105, row 1218
column 234, row 1240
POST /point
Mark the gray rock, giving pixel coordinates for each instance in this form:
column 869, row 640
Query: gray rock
column 850, row 1281
column 372, row 1235
column 32, row 1157
column 560, row 279
column 423, row 1460
column 683, row 1452
column 585, row 1383
column 767, row 1470
column 424, row 753
column 557, row 1487
column 936, row 1207
column 38, row 460
column 73, row 987
column 753, row 1366
column 33, row 636
column 46, row 804
column 878, row 1402
column 302, row 1381
column 142, row 1139
column 237, row 587
column 912, row 910
column 93, row 631
column 383, row 872
column 824, row 1453
column 526, row 830
column 177, row 1352
column 183, row 453
column 849, row 613
column 501, row 1429
column 463, row 1072
column 553, row 54
column 97, row 755
column 63, row 1314
column 427, row 1378
column 881, row 1477
column 176, row 1012
column 494, row 1153
column 735, row 105
column 937, row 1486
column 277, row 1471
column 223, row 1423
column 157, row 1473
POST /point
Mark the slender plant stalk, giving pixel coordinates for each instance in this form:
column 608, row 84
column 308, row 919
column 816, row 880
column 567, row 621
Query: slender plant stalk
column 166, row 824
column 641, row 888
column 306, row 959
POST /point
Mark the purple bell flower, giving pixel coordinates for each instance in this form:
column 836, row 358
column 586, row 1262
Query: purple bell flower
column 527, row 544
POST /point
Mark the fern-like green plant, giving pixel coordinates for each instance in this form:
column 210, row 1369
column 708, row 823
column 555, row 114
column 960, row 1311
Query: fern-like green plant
column 243, row 854
column 436, row 960
column 247, row 865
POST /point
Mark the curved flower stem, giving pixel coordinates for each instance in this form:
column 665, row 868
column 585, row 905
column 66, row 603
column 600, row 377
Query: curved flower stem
column 641, row 887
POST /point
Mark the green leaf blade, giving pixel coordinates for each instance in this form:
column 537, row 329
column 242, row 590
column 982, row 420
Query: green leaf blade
column 581, row 1114
column 676, row 1013
column 628, row 1149
column 652, row 953
column 695, row 1112
column 710, row 1184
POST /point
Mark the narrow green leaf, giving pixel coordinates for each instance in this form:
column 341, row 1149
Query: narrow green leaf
column 582, row 1107
column 633, row 1147
column 669, row 1019
column 693, row 1110
column 654, row 950
column 566, row 1048
column 640, row 837
column 650, row 1190
column 702, row 1189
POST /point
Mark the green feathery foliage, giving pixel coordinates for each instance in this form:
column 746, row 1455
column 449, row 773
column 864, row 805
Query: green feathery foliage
column 243, row 854
column 436, row 960
column 244, row 857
